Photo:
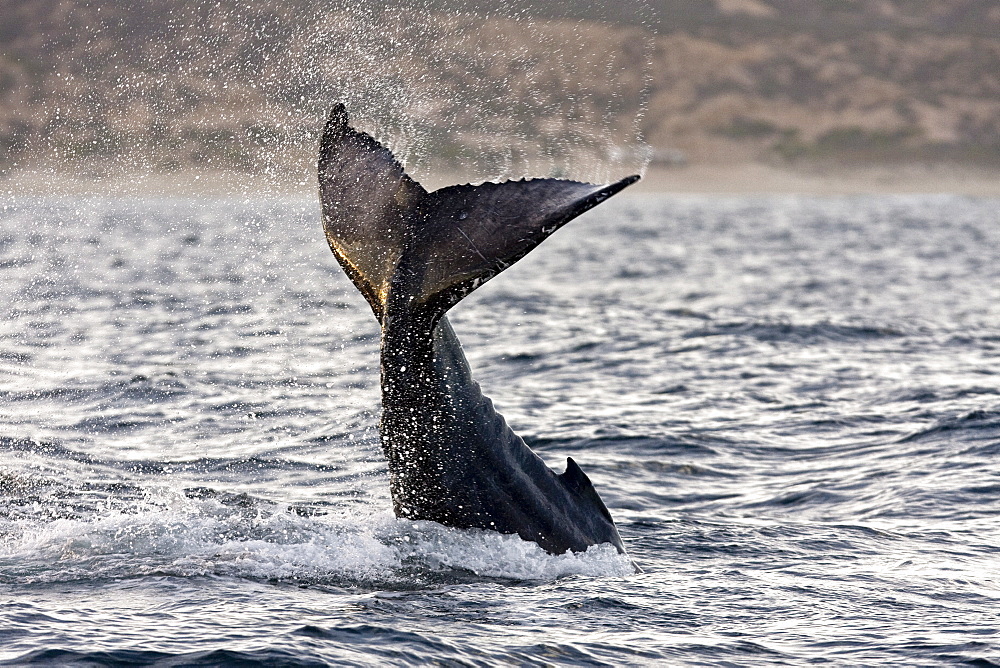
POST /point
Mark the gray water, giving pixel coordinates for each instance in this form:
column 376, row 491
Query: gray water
column 791, row 406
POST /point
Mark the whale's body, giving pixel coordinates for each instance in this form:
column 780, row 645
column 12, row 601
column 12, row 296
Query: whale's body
column 414, row 254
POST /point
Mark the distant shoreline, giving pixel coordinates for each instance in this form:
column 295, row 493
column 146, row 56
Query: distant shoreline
column 735, row 179
column 818, row 179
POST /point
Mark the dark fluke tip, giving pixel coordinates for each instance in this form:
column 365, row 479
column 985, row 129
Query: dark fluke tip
column 337, row 120
column 613, row 188
column 333, row 132
column 620, row 185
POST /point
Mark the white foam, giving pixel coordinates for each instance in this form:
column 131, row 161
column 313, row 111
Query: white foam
column 491, row 554
column 174, row 535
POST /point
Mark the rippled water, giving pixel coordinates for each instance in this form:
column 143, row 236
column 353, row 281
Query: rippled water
column 791, row 406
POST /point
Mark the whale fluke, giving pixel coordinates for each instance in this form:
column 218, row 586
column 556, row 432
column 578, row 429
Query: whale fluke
column 367, row 201
column 455, row 239
column 414, row 254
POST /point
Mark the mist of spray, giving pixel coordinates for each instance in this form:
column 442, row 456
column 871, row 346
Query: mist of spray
column 459, row 92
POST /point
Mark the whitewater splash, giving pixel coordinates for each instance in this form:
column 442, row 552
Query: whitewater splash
column 199, row 533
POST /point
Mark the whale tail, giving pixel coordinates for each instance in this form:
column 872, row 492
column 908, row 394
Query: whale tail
column 414, row 254
column 390, row 234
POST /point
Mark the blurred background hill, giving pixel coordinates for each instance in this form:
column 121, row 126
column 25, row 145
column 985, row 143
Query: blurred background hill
column 240, row 87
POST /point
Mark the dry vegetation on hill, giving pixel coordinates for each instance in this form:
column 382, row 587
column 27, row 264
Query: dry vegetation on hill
column 243, row 86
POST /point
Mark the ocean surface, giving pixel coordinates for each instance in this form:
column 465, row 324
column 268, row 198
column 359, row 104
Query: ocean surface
column 791, row 406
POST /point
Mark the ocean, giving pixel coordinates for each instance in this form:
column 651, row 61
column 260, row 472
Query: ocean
column 790, row 404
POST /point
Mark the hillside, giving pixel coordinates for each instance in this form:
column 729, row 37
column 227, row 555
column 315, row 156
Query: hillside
column 118, row 85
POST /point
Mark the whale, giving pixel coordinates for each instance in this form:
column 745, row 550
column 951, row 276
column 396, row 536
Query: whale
column 413, row 255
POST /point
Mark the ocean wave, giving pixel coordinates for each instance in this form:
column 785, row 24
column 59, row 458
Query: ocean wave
column 248, row 464
column 136, row 657
column 975, row 425
column 783, row 330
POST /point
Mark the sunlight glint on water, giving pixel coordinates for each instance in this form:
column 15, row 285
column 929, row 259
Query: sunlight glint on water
column 789, row 404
